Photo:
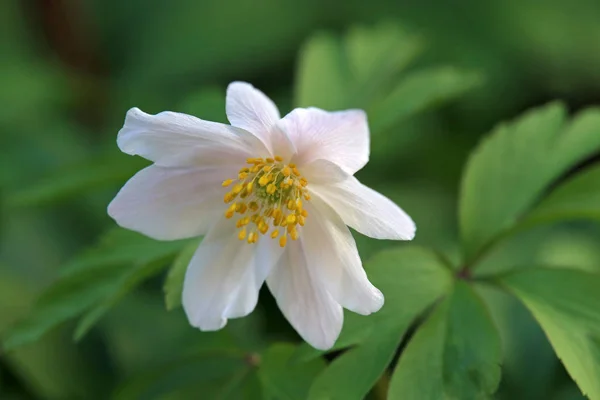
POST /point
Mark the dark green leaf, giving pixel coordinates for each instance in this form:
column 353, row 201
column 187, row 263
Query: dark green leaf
column 411, row 278
column 566, row 303
column 282, row 379
column 454, row 355
column 515, row 164
column 102, row 274
column 174, row 283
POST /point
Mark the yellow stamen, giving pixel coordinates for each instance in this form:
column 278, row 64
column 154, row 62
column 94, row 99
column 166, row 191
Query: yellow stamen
column 271, row 195
column 294, row 234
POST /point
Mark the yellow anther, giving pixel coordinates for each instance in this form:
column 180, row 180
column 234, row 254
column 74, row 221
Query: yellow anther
column 291, row 219
column 270, row 160
column 291, row 205
column 299, row 204
column 249, row 187
column 277, row 220
column 242, row 234
column 275, row 233
column 292, row 165
column 296, row 172
column 294, row 234
column 239, row 223
column 267, row 168
column 250, row 160
column 271, row 188
column 301, row 220
column 304, row 213
column 269, row 212
column 276, row 212
column 253, row 206
column 242, row 175
column 283, row 222
column 242, row 209
column 263, row 180
column 306, row 196
column 290, row 228
column 245, row 169
column 286, row 171
column 282, row 240
column 228, row 197
column 278, row 158
column 237, row 189
column 230, row 211
column 227, row 182
column 303, row 182
column 264, row 229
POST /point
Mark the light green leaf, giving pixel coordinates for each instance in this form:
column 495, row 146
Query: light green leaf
column 510, row 169
column 418, row 91
column 282, row 379
column 566, row 303
column 454, row 355
column 321, row 76
column 577, row 198
column 73, row 180
column 174, row 283
column 411, row 278
column 353, row 71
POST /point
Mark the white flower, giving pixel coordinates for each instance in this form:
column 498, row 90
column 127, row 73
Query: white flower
column 289, row 179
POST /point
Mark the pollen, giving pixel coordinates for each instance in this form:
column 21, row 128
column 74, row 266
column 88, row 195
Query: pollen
column 268, row 195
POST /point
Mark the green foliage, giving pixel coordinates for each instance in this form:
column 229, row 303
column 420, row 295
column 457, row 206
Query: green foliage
column 511, row 169
column 566, row 303
column 454, row 355
column 97, row 278
column 367, row 69
column 577, row 198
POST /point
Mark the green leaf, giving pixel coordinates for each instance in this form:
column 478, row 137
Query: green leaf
column 321, row 78
column 510, row 170
column 120, row 246
column 454, row 355
column 566, row 303
column 127, row 284
column 577, row 198
column 73, row 180
column 411, row 278
column 337, row 73
column 174, row 283
column 282, row 379
column 418, row 91
column 102, row 274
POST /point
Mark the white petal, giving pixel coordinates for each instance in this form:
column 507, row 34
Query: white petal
column 171, row 203
column 331, row 252
column 366, row 210
column 341, row 137
column 174, row 139
column 224, row 277
column 306, row 304
column 250, row 109
column 323, row 171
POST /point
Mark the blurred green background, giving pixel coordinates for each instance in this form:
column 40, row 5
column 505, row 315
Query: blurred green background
column 69, row 70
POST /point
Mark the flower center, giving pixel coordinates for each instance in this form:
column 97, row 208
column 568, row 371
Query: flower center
column 268, row 196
